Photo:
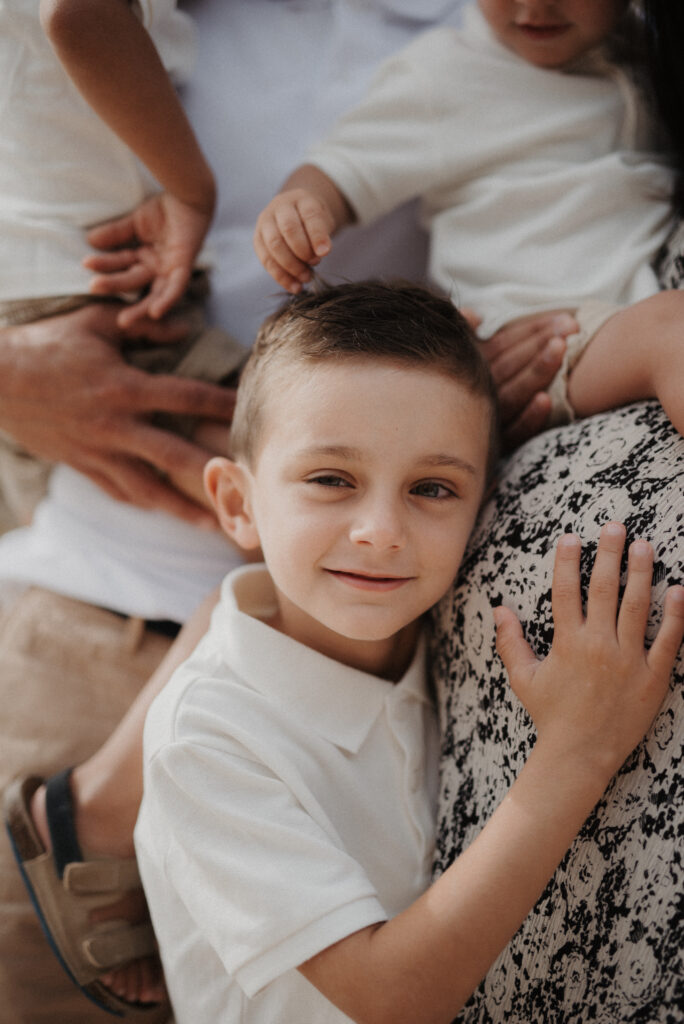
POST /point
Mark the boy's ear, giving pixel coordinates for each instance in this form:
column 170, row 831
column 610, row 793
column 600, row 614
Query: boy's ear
column 227, row 487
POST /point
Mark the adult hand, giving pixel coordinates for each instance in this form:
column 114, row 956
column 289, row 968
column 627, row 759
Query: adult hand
column 67, row 395
column 524, row 357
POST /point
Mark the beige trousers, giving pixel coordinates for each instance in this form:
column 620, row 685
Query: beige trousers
column 68, row 674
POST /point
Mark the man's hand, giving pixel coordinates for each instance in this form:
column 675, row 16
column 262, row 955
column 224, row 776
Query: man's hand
column 67, row 395
column 524, row 357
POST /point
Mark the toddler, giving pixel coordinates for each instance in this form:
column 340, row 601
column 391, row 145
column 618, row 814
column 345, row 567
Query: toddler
column 526, row 142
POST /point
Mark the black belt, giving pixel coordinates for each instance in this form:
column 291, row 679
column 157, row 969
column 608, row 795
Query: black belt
column 165, row 627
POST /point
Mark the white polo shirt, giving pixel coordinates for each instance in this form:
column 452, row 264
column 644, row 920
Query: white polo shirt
column 289, row 802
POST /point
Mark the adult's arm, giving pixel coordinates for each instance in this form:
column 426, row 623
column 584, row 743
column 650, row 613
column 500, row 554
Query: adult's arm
column 67, row 395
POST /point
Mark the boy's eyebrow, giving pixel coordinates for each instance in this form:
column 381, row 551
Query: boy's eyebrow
column 451, row 461
column 342, row 451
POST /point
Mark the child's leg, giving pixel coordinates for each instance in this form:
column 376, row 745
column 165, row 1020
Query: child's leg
column 637, row 353
column 107, row 788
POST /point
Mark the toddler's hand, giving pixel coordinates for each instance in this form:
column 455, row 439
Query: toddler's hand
column 155, row 245
column 292, row 235
column 524, row 356
column 595, row 695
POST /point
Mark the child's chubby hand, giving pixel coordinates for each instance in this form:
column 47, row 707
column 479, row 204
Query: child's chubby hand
column 596, row 694
column 156, row 245
column 292, row 234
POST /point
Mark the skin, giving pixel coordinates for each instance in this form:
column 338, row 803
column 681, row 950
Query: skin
column 67, row 395
column 524, row 356
column 551, row 33
column 362, row 519
column 343, row 517
column 112, row 61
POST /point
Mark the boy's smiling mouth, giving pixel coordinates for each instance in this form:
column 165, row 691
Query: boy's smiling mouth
column 368, row 580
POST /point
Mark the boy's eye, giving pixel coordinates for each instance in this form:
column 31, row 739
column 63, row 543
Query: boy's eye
column 329, row 480
column 432, row 489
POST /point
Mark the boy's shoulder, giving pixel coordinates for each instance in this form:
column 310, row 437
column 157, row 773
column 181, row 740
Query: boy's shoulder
column 246, row 680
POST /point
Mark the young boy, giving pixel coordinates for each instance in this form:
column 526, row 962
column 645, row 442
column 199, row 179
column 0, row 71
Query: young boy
column 286, row 830
column 529, row 150
column 96, row 150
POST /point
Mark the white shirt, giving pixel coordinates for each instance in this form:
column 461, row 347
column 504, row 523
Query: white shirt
column 61, row 168
column 536, row 184
column 289, row 802
column 254, row 119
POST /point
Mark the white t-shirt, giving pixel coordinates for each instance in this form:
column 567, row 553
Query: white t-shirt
column 537, row 185
column 254, row 118
column 289, row 802
column 61, row 168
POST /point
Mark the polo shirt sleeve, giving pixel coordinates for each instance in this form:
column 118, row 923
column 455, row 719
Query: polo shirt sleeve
column 387, row 150
column 267, row 884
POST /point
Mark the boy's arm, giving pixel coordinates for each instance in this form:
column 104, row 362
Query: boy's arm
column 638, row 353
column 293, row 233
column 591, row 700
column 113, row 62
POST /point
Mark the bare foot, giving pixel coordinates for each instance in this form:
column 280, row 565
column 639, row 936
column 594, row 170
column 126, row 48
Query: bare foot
column 140, row 981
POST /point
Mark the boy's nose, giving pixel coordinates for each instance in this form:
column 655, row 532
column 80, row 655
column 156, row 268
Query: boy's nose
column 379, row 525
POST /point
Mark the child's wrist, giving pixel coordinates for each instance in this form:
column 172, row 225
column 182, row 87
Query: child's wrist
column 584, row 768
column 204, row 195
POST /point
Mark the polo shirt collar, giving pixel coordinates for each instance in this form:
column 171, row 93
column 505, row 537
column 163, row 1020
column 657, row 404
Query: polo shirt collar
column 340, row 703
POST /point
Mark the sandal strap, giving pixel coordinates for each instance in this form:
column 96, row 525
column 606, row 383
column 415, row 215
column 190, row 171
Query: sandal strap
column 60, row 818
column 89, row 877
column 114, row 944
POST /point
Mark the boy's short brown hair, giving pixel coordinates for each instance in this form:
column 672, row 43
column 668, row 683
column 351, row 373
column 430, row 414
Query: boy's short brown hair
column 395, row 322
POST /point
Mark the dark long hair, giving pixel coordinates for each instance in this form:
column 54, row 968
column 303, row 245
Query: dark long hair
column 664, row 55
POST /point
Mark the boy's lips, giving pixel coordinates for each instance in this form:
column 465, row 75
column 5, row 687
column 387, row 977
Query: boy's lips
column 368, row 580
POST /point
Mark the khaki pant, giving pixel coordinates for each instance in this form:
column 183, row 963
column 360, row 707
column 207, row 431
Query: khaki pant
column 68, row 674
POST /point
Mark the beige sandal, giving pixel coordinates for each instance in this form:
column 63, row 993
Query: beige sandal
column 65, row 889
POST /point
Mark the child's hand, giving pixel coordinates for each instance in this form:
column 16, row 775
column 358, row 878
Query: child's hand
column 292, row 235
column 524, row 356
column 595, row 695
column 163, row 236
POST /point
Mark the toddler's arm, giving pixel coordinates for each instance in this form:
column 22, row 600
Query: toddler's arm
column 294, row 231
column 113, row 62
column 591, row 700
column 638, row 353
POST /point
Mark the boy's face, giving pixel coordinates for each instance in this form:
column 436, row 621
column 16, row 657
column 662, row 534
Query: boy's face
column 551, row 33
column 367, row 483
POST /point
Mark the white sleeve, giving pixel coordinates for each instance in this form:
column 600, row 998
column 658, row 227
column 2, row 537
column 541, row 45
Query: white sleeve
column 388, row 149
column 265, row 883
column 173, row 34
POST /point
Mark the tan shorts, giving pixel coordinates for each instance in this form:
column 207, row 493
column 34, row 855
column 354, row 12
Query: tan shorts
column 69, row 673
column 591, row 317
